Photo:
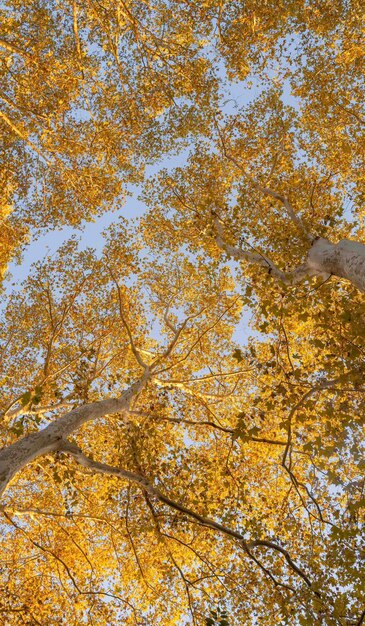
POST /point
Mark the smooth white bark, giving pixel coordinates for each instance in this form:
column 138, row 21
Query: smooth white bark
column 16, row 456
column 346, row 259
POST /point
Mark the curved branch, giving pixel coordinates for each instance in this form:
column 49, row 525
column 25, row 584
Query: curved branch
column 16, row 456
column 146, row 485
column 288, row 278
column 290, row 211
column 134, row 349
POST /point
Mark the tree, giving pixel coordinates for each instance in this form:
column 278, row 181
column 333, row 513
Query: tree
column 157, row 468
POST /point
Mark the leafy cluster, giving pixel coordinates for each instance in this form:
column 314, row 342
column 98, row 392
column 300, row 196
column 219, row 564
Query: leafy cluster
column 182, row 408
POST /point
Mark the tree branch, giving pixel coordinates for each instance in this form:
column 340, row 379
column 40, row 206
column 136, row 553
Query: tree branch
column 135, row 352
column 146, row 485
column 16, row 456
column 290, row 278
column 267, row 191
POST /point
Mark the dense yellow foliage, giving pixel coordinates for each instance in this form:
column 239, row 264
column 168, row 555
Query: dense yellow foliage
column 227, row 486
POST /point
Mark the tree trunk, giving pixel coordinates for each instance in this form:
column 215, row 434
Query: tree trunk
column 346, row 259
column 16, row 456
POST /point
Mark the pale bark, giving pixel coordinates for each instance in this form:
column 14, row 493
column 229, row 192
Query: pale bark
column 288, row 278
column 54, row 438
column 16, row 456
column 346, row 259
column 253, row 257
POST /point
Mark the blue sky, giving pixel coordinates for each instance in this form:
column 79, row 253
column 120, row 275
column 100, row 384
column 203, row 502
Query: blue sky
column 91, row 232
column 90, row 235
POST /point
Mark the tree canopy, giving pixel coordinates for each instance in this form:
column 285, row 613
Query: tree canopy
column 182, row 408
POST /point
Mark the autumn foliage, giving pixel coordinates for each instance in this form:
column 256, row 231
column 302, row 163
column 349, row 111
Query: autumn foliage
column 182, row 406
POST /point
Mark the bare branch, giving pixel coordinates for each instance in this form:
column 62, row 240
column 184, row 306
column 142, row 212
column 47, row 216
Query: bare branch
column 231, row 431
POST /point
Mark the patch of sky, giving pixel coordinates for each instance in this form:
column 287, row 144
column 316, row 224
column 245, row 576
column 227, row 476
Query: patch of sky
column 234, row 96
column 80, row 115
